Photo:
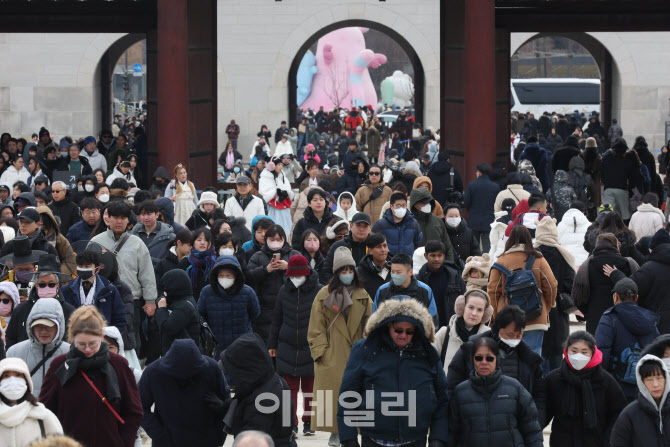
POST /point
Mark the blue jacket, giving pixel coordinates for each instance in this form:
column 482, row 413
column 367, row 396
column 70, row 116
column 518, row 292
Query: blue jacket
column 177, row 384
column 540, row 159
column 479, row 200
column 621, row 327
column 228, row 312
column 416, row 289
column 107, row 299
column 80, row 231
column 403, row 237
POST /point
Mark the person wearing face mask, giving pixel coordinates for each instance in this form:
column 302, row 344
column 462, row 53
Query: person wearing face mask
column 178, row 249
column 516, row 359
column 227, row 304
column 491, row 408
column 310, row 245
column 200, row 261
column 22, row 418
column 101, row 192
column 228, row 159
column 46, row 281
column 288, row 334
column 266, row 272
column 9, row 299
column 236, row 172
column 646, row 421
column 337, row 320
column 177, row 316
column 583, row 400
column 75, row 381
column 86, row 190
column 46, row 330
column 402, row 231
column 432, row 227
column 623, row 329
column 462, row 238
column 91, row 289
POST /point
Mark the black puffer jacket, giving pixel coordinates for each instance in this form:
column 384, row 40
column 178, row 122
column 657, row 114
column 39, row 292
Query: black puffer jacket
column 310, row 221
column 559, row 324
column 520, row 363
column 68, row 213
column 358, row 250
column 290, row 320
column 169, row 262
column 180, row 318
column 567, row 428
column 249, row 366
column 625, row 237
column 653, row 283
column 493, row 410
column 368, row 272
column 447, row 286
column 266, row 285
column 129, row 304
column 463, row 241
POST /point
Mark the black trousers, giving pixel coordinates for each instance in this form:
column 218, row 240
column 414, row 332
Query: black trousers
column 367, row 442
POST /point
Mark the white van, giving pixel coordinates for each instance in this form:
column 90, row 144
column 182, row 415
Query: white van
column 560, row 95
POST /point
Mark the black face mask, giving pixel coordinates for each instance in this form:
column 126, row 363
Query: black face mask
column 84, row 274
column 161, row 183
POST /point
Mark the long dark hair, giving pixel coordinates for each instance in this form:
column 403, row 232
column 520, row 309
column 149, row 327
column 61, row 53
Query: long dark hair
column 305, row 235
column 28, row 396
column 613, row 223
column 335, row 283
column 521, row 235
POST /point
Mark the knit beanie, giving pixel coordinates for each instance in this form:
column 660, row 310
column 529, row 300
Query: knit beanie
column 661, row 237
column 459, row 305
column 480, row 263
column 298, row 266
column 342, row 258
column 17, row 365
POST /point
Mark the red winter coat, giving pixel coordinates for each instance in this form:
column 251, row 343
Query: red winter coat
column 82, row 413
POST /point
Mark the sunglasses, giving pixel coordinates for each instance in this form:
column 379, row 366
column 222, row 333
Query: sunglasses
column 489, row 359
column 42, row 285
column 375, row 173
column 6, row 300
column 400, row 331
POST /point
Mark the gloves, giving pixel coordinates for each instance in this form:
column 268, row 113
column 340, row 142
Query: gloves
column 350, row 443
column 436, row 443
column 216, row 405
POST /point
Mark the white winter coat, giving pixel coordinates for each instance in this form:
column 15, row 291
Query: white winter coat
column 19, row 426
column 497, row 237
column 97, row 161
column 268, row 185
column 11, row 175
column 646, row 221
column 253, row 209
column 118, row 174
column 454, row 342
column 283, row 148
column 571, row 233
column 348, row 214
column 266, row 149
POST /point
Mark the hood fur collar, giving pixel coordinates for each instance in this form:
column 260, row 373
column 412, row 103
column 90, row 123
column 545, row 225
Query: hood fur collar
column 408, row 308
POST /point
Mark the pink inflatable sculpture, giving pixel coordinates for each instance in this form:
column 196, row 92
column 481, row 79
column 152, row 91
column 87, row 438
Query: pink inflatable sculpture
column 342, row 78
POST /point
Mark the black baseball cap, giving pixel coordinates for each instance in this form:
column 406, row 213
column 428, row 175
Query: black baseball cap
column 360, row 218
column 30, row 214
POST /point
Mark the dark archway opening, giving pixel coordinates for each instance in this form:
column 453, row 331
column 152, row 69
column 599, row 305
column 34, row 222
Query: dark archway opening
column 419, row 76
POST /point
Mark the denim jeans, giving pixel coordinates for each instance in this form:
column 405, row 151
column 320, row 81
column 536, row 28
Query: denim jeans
column 534, row 339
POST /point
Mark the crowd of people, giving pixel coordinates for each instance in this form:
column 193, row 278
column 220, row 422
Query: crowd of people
column 353, row 269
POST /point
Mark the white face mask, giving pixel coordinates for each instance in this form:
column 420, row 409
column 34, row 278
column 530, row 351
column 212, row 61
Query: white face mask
column 578, row 361
column 226, row 252
column 426, row 208
column 400, row 212
column 104, row 198
column 453, row 221
column 298, row 280
column 226, row 282
column 667, row 362
column 275, row 245
column 89, row 188
column 80, row 188
column 510, row 343
column 13, row 388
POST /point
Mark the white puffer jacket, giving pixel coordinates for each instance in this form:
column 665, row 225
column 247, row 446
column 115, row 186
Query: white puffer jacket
column 19, row 426
column 646, row 221
column 254, row 208
column 454, row 343
column 268, row 185
column 571, row 232
column 497, row 237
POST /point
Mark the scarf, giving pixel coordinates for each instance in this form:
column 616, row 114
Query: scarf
column 581, row 381
column 201, row 261
column 462, row 332
column 550, row 239
column 339, row 300
column 76, row 360
column 230, row 159
column 476, row 283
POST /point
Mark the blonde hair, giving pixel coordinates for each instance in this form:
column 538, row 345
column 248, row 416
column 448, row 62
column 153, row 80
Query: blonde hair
column 85, row 320
column 178, row 168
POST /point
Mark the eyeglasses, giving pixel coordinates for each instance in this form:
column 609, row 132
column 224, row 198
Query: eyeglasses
column 91, row 345
column 6, row 300
column 480, row 358
column 53, row 191
column 400, row 331
column 42, row 285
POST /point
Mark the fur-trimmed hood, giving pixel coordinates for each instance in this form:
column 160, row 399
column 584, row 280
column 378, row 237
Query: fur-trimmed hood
column 409, row 310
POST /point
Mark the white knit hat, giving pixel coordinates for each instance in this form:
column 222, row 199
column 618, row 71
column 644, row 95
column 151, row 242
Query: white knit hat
column 208, row 197
column 17, row 365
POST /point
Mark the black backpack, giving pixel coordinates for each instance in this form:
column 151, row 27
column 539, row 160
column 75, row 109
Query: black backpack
column 521, row 288
column 206, row 341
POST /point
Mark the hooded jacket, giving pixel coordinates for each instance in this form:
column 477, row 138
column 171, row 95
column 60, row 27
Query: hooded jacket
column 249, row 366
column 96, row 160
column 442, row 180
column 166, row 207
column 229, row 312
column 348, row 214
column 180, row 318
column 266, row 284
column 540, row 160
column 581, row 182
column 66, row 255
column 20, row 424
column 561, row 195
column 290, row 320
column 563, row 156
column 106, row 299
column 646, row 221
column 32, row 351
column 621, row 327
column 164, row 234
column 643, row 422
column 571, row 232
column 176, row 386
column 133, row 363
column 17, row 329
column 377, row 366
column 268, row 185
column 431, row 226
column 404, row 236
column 514, row 192
column 11, row 175
column 653, row 283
